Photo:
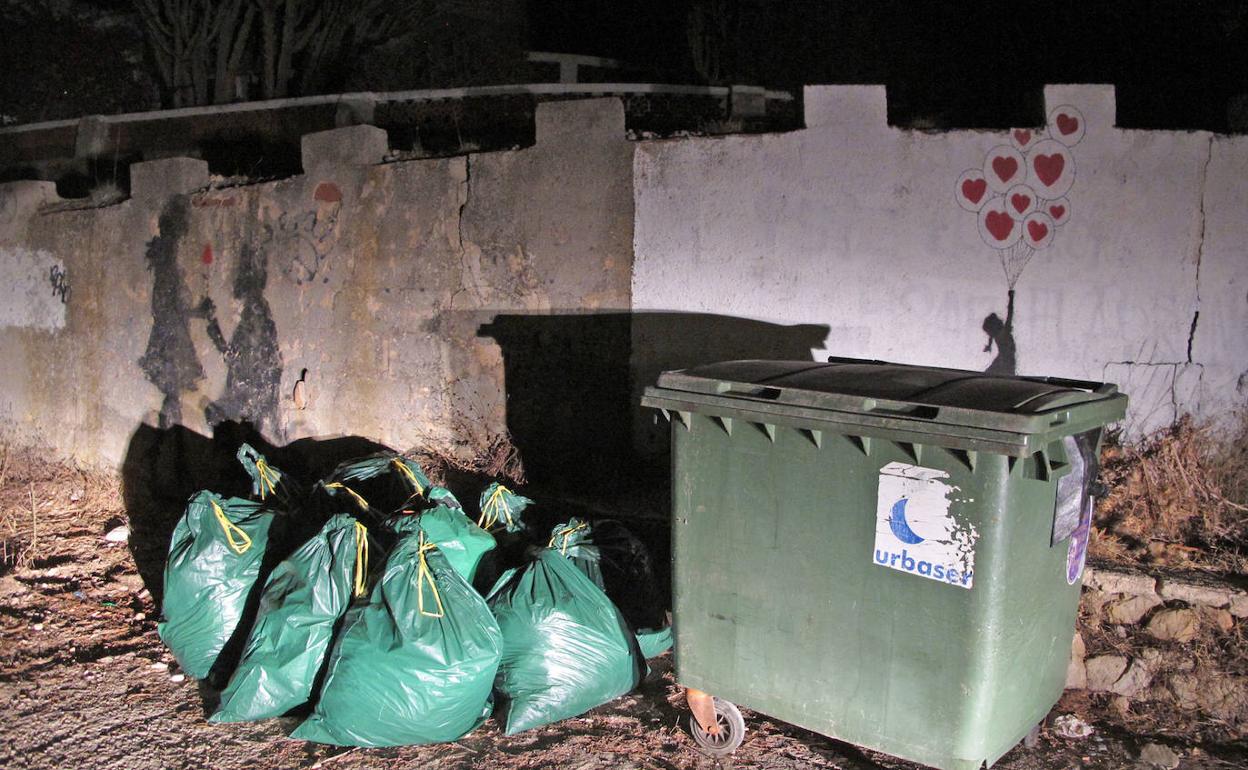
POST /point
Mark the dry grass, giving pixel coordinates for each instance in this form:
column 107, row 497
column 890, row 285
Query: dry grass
column 42, row 500
column 500, row 460
column 1178, row 498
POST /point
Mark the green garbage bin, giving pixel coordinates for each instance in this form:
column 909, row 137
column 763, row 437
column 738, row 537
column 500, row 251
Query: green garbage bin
column 888, row 555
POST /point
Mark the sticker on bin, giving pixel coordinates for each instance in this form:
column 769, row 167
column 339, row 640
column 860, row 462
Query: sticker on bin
column 915, row 531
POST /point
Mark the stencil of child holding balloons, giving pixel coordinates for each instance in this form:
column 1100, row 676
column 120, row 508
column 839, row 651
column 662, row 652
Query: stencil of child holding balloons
column 1019, row 197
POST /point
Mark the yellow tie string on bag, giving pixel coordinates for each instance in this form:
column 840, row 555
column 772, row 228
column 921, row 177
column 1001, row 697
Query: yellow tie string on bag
column 268, row 478
column 361, row 559
column 411, row 477
column 489, row 511
column 425, row 574
column 231, row 530
column 565, row 534
column 360, row 501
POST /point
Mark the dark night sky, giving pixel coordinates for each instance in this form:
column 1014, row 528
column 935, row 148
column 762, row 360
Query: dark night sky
column 1175, row 61
column 950, row 63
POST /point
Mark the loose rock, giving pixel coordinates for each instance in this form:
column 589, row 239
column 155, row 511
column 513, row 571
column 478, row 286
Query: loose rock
column 1206, row 596
column 1174, row 625
column 1112, row 582
column 1129, row 611
column 1154, row 755
column 177, row 678
column 1221, row 696
column 1134, row 681
column 1092, row 601
column 1222, row 620
column 1103, row 671
column 1239, row 605
column 118, row 534
column 1076, row 671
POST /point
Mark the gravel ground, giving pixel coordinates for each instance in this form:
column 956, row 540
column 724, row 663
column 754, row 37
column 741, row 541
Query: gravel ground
column 86, row 683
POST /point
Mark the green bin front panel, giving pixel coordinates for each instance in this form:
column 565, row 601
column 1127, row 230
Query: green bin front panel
column 781, row 607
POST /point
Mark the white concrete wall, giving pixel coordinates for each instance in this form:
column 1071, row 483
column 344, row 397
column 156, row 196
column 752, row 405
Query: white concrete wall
column 854, row 225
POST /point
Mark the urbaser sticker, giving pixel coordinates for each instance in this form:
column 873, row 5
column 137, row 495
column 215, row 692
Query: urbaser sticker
column 915, row 532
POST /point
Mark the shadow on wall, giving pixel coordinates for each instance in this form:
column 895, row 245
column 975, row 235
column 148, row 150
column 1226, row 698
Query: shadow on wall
column 1001, row 336
column 574, row 384
column 251, row 355
column 163, row 467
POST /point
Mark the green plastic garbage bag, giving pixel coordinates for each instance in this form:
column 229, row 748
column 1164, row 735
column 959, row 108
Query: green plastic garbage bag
column 216, row 556
column 462, row 542
column 443, row 496
column 499, row 505
column 619, row 563
column 416, row 663
column 653, row 642
column 566, row 648
column 384, row 483
column 575, row 542
column 267, row 481
column 302, row 602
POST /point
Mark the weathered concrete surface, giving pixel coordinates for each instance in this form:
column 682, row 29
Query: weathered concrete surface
column 1219, row 339
column 157, row 180
column 347, row 146
column 562, row 331
column 441, row 302
column 33, row 289
column 855, row 225
column 368, row 283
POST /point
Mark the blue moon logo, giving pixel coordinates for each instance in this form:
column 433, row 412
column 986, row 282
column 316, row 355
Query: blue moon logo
column 901, row 528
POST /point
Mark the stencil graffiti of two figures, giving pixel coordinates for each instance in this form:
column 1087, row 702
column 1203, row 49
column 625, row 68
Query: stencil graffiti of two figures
column 251, row 354
column 1019, row 198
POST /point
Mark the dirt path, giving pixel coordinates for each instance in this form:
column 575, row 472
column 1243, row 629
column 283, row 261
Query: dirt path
column 86, row 683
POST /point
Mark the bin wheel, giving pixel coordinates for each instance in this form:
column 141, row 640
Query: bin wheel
column 1032, row 738
column 731, row 729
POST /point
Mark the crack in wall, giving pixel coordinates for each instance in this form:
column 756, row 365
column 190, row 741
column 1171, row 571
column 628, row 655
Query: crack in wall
column 1173, row 386
column 1200, row 244
column 469, row 254
column 467, row 190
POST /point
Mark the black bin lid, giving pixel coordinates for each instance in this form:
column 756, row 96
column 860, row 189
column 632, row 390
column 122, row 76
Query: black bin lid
column 954, row 403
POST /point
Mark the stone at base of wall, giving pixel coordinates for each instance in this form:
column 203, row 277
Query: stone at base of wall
column 349, row 146
column 1196, row 591
column 159, row 180
column 1147, row 632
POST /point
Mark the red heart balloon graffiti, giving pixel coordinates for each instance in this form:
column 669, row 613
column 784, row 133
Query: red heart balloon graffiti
column 1057, row 211
column 1022, row 136
column 973, row 189
column 999, row 224
column 1066, row 124
column 1049, row 168
column 1037, row 230
column 1020, row 202
column 1005, row 168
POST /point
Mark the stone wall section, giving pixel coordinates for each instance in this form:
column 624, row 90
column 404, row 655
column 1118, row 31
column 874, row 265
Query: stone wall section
column 1167, row 641
column 1140, row 275
column 363, row 282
